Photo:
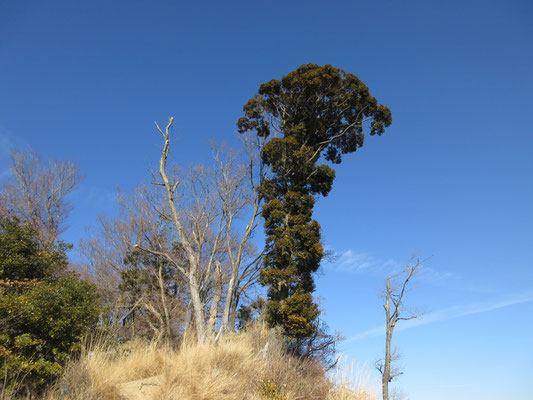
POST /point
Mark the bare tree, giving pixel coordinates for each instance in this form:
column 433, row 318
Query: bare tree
column 201, row 207
column 37, row 193
column 197, row 221
column 394, row 370
column 395, row 289
column 236, row 195
column 144, row 293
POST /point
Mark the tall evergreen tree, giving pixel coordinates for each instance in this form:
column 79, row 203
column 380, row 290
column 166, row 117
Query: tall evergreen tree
column 313, row 112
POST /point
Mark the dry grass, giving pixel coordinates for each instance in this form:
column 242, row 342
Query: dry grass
column 236, row 368
column 350, row 383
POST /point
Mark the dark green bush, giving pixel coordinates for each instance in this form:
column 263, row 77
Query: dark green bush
column 44, row 311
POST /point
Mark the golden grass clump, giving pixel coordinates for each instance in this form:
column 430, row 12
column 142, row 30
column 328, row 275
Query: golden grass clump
column 247, row 366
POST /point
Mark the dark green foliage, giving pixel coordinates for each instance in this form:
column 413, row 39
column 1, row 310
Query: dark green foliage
column 248, row 314
column 142, row 268
column 317, row 111
column 47, row 323
column 21, row 254
column 43, row 313
column 140, row 279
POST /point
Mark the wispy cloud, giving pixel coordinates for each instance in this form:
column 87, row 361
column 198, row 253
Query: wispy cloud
column 451, row 313
column 432, row 275
column 351, row 261
column 354, row 261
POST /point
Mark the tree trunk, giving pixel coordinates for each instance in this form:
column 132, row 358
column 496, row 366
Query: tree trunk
column 197, row 309
column 162, row 293
column 233, row 314
column 230, row 294
column 385, row 377
column 217, row 296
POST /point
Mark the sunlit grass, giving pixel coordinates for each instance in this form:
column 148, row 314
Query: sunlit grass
column 236, row 368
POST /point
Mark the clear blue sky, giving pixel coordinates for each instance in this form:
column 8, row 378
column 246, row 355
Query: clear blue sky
column 451, row 178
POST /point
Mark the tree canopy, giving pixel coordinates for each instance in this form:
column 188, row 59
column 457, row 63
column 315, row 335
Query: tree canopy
column 312, row 113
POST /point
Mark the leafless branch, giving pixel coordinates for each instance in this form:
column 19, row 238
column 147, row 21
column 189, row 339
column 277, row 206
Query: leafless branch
column 395, row 289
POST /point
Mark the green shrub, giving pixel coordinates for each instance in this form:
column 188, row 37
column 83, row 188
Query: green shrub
column 48, row 323
column 43, row 315
column 21, row 255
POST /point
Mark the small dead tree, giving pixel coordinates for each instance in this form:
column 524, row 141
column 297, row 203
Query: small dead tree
column 395, row 289
column 36, row 193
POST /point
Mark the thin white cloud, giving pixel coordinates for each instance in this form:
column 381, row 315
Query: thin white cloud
column 351, row 261
column 378, row 331
column 354, row 261
column 450, row 313
column 432, row 275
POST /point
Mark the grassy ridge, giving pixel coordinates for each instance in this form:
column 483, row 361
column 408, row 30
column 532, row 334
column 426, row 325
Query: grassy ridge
column 246, row 366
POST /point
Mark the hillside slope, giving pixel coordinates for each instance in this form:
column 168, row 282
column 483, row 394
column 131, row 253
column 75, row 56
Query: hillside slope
column 246, row 366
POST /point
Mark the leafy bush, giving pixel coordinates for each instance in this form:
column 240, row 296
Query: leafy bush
column 48, row 322
column 44, row 312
